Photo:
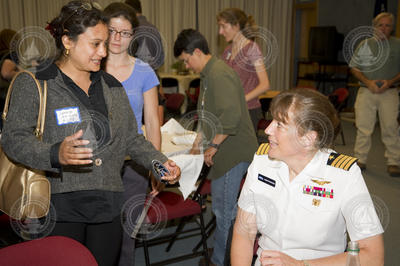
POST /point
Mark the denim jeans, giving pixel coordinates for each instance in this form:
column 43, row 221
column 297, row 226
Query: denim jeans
column 224, row 193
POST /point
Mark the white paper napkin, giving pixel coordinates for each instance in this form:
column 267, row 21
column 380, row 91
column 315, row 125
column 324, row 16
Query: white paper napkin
column 185, row 139
column 172, row 127
column 190, row 170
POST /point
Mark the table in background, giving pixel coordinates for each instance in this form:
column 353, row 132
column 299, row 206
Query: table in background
column 183, row 85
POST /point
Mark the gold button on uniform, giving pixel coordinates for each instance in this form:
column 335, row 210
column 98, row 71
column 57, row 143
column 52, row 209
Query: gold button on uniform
column 98, row 162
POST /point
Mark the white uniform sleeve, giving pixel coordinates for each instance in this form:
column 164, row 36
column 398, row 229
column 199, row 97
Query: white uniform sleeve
column 246, row 199
column 358, row 209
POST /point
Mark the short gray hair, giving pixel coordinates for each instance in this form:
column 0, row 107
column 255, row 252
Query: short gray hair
column 382, row 15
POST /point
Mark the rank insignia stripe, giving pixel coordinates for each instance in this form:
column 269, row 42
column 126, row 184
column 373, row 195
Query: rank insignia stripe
column 266, row 180
column 263, row 149
column 341, row 161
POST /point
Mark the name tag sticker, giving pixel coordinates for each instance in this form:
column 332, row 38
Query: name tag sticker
column 69, row 115
column 266, row 180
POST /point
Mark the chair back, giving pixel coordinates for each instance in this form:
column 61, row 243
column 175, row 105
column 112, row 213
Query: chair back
column 169, row 85
column 174, row 101
column 203, row 181
column 48, row 251
column 193, row 91
column 338, row 98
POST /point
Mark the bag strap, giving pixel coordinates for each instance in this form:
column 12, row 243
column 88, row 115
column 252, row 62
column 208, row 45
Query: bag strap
column 42, row 103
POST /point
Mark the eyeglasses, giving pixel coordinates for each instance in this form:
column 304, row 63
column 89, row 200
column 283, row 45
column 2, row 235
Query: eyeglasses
column 186, row 61
column 123, row 34
column 86, row 6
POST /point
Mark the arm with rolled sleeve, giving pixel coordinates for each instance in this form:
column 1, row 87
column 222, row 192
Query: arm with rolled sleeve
column 226, row 109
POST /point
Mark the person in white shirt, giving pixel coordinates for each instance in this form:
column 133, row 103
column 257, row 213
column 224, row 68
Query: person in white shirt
column 302, row 196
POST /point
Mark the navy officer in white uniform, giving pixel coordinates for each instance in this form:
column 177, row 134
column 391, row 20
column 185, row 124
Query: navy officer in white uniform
column 303, row 197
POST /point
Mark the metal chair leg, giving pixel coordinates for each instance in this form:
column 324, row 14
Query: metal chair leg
column 146, row 251
column 210, row 227
column 204, row 239
column 178, row 230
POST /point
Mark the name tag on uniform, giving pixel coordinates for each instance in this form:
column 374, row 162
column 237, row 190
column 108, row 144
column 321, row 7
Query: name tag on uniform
column 68, row 115
column 266, row 180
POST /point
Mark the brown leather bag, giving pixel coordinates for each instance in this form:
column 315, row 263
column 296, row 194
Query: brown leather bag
column 24, row 192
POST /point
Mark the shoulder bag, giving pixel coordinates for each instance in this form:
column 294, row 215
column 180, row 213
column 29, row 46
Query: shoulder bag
column 24, row 192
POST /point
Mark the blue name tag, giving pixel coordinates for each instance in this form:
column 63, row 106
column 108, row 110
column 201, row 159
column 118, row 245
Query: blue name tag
column 266, row 180
column 69, row 115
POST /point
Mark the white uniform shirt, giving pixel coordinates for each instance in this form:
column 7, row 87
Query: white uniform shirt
column 293, row 220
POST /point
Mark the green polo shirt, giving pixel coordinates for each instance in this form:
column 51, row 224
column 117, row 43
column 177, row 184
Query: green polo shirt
column 225, row 112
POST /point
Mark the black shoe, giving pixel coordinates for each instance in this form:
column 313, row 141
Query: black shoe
column 362, row 166
column 393, row 170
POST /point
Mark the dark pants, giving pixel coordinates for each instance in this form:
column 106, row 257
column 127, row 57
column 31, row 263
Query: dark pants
column 102, row 239
column 135, row 183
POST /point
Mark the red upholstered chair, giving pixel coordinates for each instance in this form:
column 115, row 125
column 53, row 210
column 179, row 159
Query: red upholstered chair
column 167, row 206
column 49, row 251
column 174, row 101
column 192, row 94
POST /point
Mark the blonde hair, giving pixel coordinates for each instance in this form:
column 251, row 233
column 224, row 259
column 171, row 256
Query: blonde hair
column 236, row 16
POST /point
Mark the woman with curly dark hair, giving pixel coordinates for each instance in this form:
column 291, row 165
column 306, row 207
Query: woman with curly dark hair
column 89, row 130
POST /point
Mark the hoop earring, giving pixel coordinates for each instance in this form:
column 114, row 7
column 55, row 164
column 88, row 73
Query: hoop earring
column 66, row 52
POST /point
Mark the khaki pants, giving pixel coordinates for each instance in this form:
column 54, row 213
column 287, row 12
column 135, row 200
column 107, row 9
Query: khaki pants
column 366, row 106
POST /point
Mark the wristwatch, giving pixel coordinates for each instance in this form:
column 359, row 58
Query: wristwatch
column 213, row 145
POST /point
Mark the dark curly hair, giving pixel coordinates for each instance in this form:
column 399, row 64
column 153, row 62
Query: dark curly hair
column 73, row 20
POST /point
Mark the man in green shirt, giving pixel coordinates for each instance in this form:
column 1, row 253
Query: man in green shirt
column 227, row 134
column 379, row 76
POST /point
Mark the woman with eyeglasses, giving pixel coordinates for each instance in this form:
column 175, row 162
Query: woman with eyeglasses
column 244, row 56
column 89, row 130
column 140, row 83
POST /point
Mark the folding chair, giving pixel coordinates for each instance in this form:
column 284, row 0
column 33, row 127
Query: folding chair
column 169, row 85
column 174, row 101
column 169, row 206
column 192, row 94
column 339, row 100
column 265, row 101
column 210, row 226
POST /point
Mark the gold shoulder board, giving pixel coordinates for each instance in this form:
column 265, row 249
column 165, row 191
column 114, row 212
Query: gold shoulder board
column 263, row 149
column 341, row 161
